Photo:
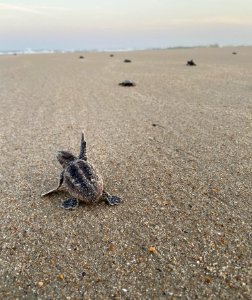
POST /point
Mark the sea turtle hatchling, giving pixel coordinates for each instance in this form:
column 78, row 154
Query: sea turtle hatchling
column 191, row 63
column 127, row 83
column 81, row 179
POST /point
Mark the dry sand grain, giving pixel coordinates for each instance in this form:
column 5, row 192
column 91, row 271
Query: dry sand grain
column 184, row 229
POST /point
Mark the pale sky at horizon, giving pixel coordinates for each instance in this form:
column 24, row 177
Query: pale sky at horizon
column 112, row 24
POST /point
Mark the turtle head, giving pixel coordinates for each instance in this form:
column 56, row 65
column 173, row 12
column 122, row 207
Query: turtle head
column 65, row 158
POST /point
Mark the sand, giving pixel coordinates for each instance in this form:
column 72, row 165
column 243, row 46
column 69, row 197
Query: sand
column 184, row 228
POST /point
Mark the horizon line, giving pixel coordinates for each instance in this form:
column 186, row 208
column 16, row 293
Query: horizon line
column 117, row 49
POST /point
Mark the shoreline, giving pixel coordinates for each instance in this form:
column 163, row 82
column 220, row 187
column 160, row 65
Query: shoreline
column 57, row 51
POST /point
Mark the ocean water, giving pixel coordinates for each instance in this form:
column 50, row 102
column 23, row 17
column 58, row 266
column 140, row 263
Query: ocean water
column 31, row 51
column 48, row 51
column 45, row 51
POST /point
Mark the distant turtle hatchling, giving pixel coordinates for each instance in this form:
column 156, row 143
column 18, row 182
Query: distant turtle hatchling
column 81, row 179
column 191, row 63
column 127, row 83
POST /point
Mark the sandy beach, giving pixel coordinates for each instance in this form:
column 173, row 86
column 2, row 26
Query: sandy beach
column 176, row 148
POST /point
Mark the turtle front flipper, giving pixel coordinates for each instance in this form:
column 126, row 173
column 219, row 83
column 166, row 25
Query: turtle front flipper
column 71, row 203
column 111, row 200
column 83, row 148
column 55, row 190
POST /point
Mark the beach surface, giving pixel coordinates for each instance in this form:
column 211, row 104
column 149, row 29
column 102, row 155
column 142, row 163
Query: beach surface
column 176, row 148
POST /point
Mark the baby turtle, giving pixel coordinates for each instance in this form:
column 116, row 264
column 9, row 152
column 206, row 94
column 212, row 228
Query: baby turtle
column 81, row 179
column 127, row 61
column 127, row 83
column 191, row 63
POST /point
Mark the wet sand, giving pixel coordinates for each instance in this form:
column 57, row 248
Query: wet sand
column 184, row 228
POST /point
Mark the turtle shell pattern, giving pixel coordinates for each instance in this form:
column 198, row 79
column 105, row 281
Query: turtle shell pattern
column 82, row 181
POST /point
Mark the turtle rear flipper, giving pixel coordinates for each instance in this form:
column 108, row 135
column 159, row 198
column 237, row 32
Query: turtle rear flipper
column 111, row 200
column 71, row 203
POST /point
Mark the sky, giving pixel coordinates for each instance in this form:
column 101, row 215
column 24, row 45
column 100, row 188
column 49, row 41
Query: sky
column 123, row 24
